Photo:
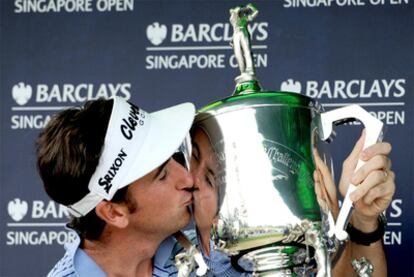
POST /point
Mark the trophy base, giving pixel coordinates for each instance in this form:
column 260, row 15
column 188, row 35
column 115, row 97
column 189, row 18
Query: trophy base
column 281, row 260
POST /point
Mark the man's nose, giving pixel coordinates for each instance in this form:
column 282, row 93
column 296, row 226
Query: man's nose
column 185, row 178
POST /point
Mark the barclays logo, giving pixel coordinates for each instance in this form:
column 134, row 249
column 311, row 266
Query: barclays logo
column 347, row 89
column 17, row 209
column 202, row 32
column 291, row 86
column 63, row 93
column 22, row 93
column 156, row 33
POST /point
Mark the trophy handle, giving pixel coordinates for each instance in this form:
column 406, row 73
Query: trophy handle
column 186, row 261
column 374, row 133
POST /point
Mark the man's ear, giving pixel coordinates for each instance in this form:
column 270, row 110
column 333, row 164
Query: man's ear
column 112, row 213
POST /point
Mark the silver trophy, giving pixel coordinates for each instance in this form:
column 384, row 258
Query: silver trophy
column 262, row 149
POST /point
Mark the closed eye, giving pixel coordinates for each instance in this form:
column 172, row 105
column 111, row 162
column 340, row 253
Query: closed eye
column 211, row 178
column 161, row 172
column 196, row 151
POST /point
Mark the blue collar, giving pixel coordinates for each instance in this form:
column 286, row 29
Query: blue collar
column 164, row 251
column 85, row 266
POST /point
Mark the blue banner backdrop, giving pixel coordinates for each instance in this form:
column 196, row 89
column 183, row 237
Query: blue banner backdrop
column 56, row 54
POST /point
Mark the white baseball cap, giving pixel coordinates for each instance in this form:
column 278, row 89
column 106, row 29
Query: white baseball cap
column 136, row 142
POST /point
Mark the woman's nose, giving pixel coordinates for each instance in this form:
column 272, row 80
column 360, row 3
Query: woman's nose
column 195, row 172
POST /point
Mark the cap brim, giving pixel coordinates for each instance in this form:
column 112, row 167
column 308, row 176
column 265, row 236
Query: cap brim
column 167, row 131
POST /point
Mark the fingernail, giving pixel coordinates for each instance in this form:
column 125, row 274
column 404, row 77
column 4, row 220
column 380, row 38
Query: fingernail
column 352, row 196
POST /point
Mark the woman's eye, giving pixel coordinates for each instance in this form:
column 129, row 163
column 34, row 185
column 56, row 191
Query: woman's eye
column 210, row 181
column 195, row 155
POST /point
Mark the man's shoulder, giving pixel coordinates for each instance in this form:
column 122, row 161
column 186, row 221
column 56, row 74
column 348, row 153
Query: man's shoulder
column 65, row 267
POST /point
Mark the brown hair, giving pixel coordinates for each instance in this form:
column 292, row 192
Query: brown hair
column 68, row 152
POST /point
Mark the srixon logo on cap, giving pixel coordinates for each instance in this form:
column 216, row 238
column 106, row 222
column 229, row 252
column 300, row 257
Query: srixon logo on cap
column 131, row 122
column 106, row 181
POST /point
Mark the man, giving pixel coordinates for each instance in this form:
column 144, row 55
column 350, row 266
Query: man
column 114, row 166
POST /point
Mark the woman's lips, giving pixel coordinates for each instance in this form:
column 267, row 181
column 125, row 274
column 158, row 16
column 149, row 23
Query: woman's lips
column 188, row 200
